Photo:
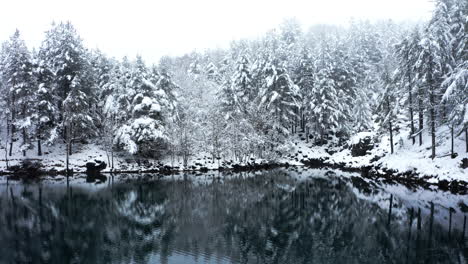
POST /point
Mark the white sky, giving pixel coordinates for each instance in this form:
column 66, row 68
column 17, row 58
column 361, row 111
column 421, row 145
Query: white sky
column 174, row 27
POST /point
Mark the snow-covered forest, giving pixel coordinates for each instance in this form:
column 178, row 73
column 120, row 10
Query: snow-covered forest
column 403, row 83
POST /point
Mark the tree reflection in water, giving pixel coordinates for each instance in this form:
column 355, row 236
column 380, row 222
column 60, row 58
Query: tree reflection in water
column 280, row 216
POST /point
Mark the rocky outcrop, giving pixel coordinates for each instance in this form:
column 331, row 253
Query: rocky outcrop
column 95, row 167
column 27, row 169
column 362, row 147
column 464, row 163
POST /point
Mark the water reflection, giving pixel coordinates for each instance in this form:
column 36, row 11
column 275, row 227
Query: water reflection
column 281, row 216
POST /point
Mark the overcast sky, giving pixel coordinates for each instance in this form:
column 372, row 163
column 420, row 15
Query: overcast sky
column 174, row 27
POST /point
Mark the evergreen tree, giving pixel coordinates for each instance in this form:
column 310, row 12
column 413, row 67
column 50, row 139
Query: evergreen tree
column 456, row 95
column 345, row 81
column 45, row 106
column 406, row 52
column 305, row 82
column 280, row 96
column 244, row 93
column 212, row 73
column 326, row 112
column 144, row 132
column 389, row 106
column 429, row 70
column 63, row 53
column 18, row 72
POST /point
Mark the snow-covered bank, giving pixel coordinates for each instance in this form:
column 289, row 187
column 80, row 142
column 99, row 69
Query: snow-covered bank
column 408, row 162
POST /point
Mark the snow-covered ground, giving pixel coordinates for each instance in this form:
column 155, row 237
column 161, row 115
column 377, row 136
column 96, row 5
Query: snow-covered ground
column 407, row 157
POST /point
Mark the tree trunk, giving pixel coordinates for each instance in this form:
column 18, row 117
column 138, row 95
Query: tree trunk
column 433, row 139
column 70, row 140
column 112, row 158
column 39, row 148
column 13, row 129
column 391, row 136
column 302, row 121
column 6, row 156
column 10, row 153
column 11, row 140
column 6, row 143
column 466, row 138
column 67, row 160
column 410, row 99
column 108, row 157
column 24, row 141
column 421, row 116
column 451, row 132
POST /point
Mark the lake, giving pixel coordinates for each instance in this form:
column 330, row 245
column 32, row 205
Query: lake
column 294, row 215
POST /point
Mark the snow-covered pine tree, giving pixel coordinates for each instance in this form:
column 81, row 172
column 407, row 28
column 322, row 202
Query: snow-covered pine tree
column 361, row 112
column 456, row 97
column 305, row 81
column 459, row 31
column 364, row 80
column 429, row 69
column 144, row 132
column 212, row 73
column 326, row 113
column 99, row 74
column 345, row 81
column 62, row 51
column 113, row 115
column 440, row 30
column 195, row 67
column 365, row 53
column 45, row 104
column 389, row 105
column 289, row 52
column 228, row 99
column 244, row 93
column 18, row 71
column 415, row 40
column 4, row 99
column 406, row 52
column 280, row 96
column 166, row 91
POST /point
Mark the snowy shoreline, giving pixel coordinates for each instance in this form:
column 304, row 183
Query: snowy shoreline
column 377, row 164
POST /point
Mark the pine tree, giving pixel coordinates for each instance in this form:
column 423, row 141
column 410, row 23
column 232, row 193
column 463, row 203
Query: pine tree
column 62, row 51
column 305, row 82
column 420, row 96
column 144, row 132
column 280, row 96
column 17, row 69
column 429, row 69
column 4, row 103
column 406, row 52
column 389, row 105
column 456, row 96
column 244, row 93
column 212, row 73
column 45, row 106
column 324, row 106
column 362, row 112
column 345, row 81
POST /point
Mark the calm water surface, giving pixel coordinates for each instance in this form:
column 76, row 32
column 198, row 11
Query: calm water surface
column 280, row 216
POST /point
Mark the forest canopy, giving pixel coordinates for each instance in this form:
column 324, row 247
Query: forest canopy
column 329, row 82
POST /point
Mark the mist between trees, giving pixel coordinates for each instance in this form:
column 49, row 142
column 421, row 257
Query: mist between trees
column 327, row 83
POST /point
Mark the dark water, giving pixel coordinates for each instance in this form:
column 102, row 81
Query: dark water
column 280, row 216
